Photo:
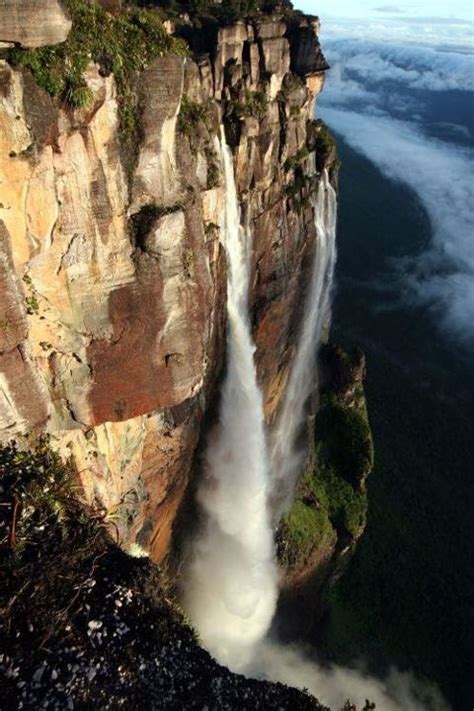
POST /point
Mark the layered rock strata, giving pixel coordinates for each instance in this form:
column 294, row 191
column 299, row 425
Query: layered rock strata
column 112, row 273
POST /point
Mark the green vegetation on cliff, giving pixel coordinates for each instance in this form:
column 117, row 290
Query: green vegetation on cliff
column 305, row 528
column 250, row 103
column 224, row 12
column 331, row 499
column 323, row 142
column 121, row 44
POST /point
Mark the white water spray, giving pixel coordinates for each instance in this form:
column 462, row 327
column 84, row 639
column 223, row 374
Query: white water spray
column 231, row 586
column 231, row 583
column 287, row 458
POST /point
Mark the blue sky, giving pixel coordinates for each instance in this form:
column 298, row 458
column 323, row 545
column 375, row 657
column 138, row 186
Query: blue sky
column 362, row 8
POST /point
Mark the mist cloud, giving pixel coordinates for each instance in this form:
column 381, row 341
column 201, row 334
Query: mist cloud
column 388, row 8
column 333, row 685
column 435, row 32
column 414, row 67
column 359, row 106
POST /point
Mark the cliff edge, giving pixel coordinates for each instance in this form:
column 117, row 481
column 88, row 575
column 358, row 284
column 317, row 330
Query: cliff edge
column 113, row 277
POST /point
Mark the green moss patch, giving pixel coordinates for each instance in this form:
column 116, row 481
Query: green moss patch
column 345, row 442
column 305, row 528
column 120, row 44
column 331, row 500
column 345, row 506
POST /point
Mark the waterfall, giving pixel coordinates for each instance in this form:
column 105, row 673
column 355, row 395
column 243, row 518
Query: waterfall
column 230, row 587
column 286, row 456
column 231, row 583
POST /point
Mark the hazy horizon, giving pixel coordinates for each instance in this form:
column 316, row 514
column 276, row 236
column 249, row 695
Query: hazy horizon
column 414, row 23
column 346, row 8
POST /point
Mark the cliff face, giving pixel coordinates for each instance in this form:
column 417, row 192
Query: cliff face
column 112, row 275
column 319, row 534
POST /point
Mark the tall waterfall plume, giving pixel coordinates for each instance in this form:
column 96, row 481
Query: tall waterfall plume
column 286, row 456
column 231, row 585
column 230, row 589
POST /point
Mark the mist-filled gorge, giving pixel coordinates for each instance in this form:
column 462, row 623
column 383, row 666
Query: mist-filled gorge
column 404, row 296
column 236, row 307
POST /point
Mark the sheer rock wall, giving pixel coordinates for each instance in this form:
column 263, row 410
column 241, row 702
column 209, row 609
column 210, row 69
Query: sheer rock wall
column 112, row 270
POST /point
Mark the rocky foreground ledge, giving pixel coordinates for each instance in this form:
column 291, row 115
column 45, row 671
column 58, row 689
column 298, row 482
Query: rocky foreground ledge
column 85, row 626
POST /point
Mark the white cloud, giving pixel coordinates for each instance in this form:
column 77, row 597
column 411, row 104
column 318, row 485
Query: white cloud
column 333, row 685
column 416, row 67
column 440, row 174
column 388, row 8
column 449, row 32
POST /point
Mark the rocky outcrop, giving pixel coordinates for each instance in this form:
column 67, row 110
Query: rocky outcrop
column 318, row 536
column 33, row 23
column 84, row 625
column 306, row 56
column 112, row 268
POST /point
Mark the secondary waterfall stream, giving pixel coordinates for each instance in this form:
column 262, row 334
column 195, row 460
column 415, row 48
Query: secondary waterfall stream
column 286, row 456
column 231, row 586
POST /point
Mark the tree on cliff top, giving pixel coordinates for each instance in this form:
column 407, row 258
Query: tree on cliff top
column 226, row 11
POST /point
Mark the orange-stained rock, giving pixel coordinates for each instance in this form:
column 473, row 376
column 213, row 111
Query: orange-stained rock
column 113, row 271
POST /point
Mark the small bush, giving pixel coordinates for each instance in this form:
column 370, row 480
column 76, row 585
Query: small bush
column 191, row 114
column 253, row 103
column 298, row 158
column 37, row 494
column 213, row 168
column 256, row 103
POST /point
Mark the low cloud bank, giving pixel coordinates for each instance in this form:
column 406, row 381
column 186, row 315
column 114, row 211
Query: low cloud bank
column 414, row 67
column 439, row 173
column 334, row 685
column 394, row 26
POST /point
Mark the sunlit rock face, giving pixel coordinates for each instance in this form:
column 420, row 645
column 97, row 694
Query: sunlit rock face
column 112, row 273
column 33, row 23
